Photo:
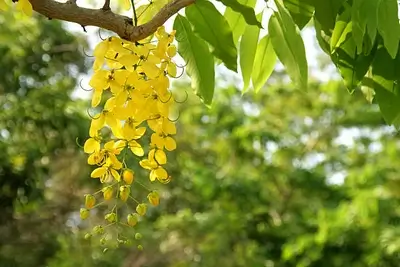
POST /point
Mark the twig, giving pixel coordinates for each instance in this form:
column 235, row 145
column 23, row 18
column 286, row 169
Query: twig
column 106, row 5
column 135, row 19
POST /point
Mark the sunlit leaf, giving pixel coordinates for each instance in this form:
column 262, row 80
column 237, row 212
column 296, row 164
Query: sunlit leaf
column 246, row 11
column 236, row 20
column 264, row 63
column 210, row 25
column 288, row 45
column 200, row 63
column 248, row 47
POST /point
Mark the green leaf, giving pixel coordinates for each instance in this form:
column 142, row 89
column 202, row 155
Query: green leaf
column 200, row 62
column 323, row 39
column 248, row 47
column 300, row 10
column 365, row 20
column 326, row 12
column 264, row 63
column 246, row 11
column 210, row 25
column 351, row 65
column 146, row 12
column 288, row 45
column 236, row 20
column 388, row 25
column 359, row 24
column 343, row 27
column 385, row 75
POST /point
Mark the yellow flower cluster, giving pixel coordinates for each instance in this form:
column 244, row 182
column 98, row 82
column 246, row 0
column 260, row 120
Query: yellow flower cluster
column 137, row 77
column 133, row 81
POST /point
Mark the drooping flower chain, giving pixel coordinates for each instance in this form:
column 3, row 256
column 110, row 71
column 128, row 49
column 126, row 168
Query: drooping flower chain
column 136, row 77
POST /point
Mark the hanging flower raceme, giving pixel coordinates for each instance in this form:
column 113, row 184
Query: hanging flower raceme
column 132, row 80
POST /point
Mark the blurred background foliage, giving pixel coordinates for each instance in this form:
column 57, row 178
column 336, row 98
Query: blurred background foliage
column 278, row 179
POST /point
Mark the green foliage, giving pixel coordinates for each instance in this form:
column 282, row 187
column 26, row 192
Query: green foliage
column 350, row 32
column 289, row 46
column 200, row 64
column 246, row 11
column 385, row 75
column 264, row 63
column 210, row 25
column 248, row 47
column 300, row 10
column 236, row 20
column 388, row 25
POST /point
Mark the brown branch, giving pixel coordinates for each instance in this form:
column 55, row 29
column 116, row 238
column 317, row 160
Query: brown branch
column 106, row 19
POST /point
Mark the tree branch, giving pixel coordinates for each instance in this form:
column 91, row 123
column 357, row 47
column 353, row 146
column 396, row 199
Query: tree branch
column 106, row 19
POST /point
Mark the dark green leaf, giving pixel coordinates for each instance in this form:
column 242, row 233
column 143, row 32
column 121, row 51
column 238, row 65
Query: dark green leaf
column 359, row 24
column 301, row 11
column 388, row 25
column 386, row 75
column 351, row 65
column 200, row 63
column 236, row 20
column 288, row 45
column 264, row 63
column 246, row 11
column 323, row 39
column 210, row 25
column 248, row 47
column 326, row 12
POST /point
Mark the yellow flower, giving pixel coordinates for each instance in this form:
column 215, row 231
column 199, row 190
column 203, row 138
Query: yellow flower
column 107, row 171
column 162, row 140
column 113, row 79
column 92, row 144
column 152, row 163
column 129, row 131
column 97, row 158
column 162, row 125
column 25, row 6
column 136, row 148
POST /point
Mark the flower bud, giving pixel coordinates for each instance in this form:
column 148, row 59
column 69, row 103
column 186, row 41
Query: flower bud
column 88, row 236
column 154, row 198
column 128, row 176
column 171, row 50
column 111, row 217
column 90, row 201
column 84, row 213
column 141, row 209
column 107, row 192
column 138, row 236
column 140, row 247
column 98, row 229
column 124, row 192
column 132, row 219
